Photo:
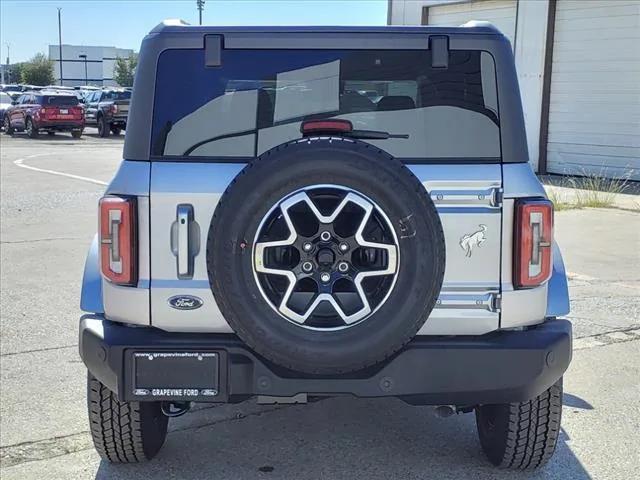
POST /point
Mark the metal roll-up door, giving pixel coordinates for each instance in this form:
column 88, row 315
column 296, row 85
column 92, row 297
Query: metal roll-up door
column 594, row 108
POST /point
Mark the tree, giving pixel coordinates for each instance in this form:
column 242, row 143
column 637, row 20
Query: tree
column 124, row 70
column 37, row 71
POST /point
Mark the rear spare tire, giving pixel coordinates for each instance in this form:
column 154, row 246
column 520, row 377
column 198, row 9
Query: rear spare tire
column 326, row 255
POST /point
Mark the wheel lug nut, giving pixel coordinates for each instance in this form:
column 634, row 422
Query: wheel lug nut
column 325, row 277
column 307, row 247
column 344, row 247
column 307, row 267
column 343, row 267
column 325, row 236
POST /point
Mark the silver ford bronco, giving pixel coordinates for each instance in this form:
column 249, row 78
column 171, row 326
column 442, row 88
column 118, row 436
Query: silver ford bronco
column 326, row 211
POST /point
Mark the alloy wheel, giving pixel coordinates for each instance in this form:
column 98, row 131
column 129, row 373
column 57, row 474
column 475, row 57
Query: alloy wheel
column 325, row 257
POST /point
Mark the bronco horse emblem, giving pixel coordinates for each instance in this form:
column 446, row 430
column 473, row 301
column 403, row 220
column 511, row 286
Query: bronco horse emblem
column 475, row 239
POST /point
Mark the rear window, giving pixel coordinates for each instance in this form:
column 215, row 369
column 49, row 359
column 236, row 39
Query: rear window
column 257, row 100
column 109, row 96
column 57, row 100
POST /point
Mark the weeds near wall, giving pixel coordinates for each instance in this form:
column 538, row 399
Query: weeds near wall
column 587, row 191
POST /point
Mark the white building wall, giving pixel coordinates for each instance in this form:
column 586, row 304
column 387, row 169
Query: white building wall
column 594, row 114
column 100, row 63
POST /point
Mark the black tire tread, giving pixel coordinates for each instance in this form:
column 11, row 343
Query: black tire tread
column 116, row 427
column 533, row 430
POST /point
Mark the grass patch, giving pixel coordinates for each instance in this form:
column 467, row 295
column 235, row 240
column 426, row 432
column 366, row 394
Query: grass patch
column 560, row 201
column 588, row 191
column 598, row 192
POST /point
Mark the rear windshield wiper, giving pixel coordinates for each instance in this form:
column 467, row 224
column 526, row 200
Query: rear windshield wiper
column 344, row 128
column 374, row 134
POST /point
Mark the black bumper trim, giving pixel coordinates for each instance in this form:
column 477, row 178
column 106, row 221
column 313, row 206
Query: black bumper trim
column 500, row 367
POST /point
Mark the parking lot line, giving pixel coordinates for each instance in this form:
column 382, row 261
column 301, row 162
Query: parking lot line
column 20, row 163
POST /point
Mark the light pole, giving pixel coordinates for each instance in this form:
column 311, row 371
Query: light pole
column 60, row 44
column 8, row 62
column 200, row 4
column 86, row 77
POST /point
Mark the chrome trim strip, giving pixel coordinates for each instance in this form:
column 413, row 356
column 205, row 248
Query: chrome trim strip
column 467, row 197
column 479, row 301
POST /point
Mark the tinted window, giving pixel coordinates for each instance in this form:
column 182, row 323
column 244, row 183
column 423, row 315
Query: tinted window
column 257, row 100
column 57, row 100
column 110, row 96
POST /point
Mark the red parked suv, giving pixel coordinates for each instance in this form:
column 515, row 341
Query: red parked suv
column 47, row 111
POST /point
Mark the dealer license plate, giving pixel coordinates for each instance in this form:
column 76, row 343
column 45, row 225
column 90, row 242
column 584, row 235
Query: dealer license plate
column 175, row 375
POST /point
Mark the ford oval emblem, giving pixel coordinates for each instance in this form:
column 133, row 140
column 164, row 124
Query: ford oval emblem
column 185, row 302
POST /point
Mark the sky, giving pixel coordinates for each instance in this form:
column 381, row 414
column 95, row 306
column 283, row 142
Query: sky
column 30, row 26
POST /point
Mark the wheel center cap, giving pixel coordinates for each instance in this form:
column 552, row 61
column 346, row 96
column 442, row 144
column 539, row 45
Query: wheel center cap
column 326, row 257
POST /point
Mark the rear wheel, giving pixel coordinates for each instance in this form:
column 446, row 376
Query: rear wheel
column 51, row 133
column 103, row 127
column 116, row 130
column 8, row 129
column 76, row 133
column 521, row 436
column 31, row 129
column 124, row 432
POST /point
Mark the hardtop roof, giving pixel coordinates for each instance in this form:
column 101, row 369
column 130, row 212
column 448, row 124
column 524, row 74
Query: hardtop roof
column 473, row 27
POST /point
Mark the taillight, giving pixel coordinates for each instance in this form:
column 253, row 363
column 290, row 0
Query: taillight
column 118, row 239
column 533, row 241
column 114, row 108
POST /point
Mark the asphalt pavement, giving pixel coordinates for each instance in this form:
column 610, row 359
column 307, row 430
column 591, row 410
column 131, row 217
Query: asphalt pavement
column 49, row 191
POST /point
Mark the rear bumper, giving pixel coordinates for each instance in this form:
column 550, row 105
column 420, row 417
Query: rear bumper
column 500, row 367
column 60, row 125
column 117, row 119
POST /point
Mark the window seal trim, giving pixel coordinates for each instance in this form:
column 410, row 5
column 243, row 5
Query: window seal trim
column 405, row 160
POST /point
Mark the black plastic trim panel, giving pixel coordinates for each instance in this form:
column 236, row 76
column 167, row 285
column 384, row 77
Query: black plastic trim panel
column 405, row 160
column 501, row 367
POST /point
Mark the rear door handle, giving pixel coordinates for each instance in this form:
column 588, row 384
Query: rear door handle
column 184, row 218
column 185, row 241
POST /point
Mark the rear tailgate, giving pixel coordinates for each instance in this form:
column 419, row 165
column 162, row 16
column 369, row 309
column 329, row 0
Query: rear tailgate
column 234, row 113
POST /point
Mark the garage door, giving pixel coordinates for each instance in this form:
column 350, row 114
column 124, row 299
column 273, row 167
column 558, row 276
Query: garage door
column 502, row 13
column 594, row 110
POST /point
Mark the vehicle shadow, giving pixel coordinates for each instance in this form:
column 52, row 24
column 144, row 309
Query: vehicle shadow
column 334, row 439
column 88, row 133
column 58, row 137
column 92, row 132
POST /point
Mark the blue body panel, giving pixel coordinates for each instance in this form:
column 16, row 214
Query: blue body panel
column 91, row 296
column 558, row 292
